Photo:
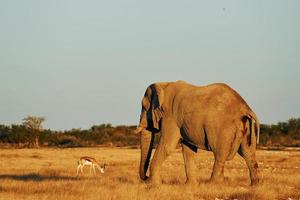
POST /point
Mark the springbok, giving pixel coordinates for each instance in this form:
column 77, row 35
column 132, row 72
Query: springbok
column 92, row 162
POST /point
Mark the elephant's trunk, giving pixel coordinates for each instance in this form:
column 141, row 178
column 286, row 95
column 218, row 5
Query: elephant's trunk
column 147, row 139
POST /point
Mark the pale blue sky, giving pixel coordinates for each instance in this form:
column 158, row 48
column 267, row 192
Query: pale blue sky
column 80, row 63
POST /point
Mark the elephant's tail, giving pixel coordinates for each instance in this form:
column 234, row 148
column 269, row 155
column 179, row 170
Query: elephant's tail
column 254, row 128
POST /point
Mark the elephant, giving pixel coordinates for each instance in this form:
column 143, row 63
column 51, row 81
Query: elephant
column 212, row 117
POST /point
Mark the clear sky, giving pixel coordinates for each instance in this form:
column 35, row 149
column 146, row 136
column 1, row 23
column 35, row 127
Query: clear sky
column 80, row 63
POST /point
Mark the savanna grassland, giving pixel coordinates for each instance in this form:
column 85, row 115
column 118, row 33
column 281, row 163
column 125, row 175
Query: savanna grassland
column 50, row 173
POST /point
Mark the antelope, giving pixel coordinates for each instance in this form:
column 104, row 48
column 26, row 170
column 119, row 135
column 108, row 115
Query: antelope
column 85, row 160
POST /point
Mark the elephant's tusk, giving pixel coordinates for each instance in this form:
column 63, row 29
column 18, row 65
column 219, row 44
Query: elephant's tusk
column 139, row 129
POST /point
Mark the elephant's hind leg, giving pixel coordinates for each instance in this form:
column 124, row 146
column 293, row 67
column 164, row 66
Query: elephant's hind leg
column 226, row 148
column 248, row 153
column 217, row 175
column 189, row 162
column 222, row 151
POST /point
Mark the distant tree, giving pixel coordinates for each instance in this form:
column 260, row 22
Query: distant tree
column 34, row 124
column 4, row 131
column 294, row 128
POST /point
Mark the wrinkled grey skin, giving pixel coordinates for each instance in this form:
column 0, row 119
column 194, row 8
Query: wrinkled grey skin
column 212, row 117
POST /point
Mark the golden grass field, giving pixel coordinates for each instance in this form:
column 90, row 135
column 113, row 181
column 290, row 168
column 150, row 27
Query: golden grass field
column 50, row 173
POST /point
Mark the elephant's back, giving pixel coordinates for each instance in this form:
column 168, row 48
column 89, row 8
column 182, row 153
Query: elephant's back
column 224, row 94
column 214, row 101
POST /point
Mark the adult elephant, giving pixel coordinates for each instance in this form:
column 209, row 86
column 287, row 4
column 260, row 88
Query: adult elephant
column 213, row 117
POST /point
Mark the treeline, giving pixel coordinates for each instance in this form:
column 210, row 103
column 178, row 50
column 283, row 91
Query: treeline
column 104, row 134
column 281, row 134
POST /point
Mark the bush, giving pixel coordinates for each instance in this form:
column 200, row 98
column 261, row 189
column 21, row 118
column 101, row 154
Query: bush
column 65, row 141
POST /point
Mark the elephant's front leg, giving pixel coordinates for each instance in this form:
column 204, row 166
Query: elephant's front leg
column 168, row 142
column 189, row 162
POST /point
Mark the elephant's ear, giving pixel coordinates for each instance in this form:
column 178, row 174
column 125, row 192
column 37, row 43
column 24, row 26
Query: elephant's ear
column 157, row 104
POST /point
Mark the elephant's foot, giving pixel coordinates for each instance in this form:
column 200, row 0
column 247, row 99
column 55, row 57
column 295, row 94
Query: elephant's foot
column 255, row 182
column 191, row 182
column 153, row 181
column 255, row 177
column 217, row 180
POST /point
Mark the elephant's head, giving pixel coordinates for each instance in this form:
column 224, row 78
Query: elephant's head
column 151, row 114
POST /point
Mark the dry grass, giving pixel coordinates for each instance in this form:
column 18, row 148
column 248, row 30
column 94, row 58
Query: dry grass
column 50, row 174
